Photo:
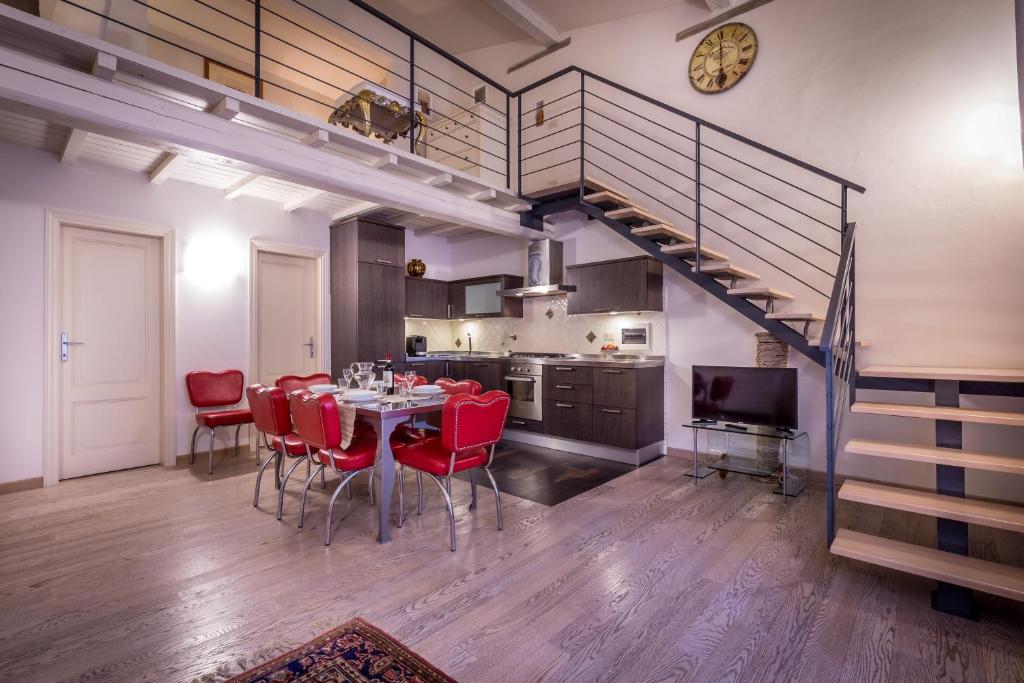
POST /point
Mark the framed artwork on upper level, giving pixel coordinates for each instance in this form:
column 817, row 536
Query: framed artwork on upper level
column 229, row 76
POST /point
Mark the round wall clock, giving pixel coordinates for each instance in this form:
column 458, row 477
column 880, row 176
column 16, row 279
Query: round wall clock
column 723, row 57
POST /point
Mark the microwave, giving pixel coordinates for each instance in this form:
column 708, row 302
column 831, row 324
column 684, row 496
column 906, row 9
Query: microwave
column 635, row 337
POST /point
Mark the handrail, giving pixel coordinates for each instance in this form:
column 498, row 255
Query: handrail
column 695, row 119
column 845, row 264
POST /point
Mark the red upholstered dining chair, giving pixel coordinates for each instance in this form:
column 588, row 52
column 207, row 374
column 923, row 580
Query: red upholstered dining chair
column 466, row 386
column 271, row 417
column 292, row 382
column 318, row 423
column 471, row 426
column 221, row 391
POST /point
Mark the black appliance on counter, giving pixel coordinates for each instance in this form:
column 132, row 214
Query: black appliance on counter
column 416, row 345
column 753, row 396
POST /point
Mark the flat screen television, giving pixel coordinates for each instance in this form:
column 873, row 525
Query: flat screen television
column 753, row 396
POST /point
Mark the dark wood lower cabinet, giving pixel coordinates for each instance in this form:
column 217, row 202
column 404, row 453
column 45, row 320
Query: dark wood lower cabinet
column 433, row 370
column 490, row 374
column 525, row 425
column 615, row 427
column 569, row 420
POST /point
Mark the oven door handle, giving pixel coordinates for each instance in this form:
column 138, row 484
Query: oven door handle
column 531, row 380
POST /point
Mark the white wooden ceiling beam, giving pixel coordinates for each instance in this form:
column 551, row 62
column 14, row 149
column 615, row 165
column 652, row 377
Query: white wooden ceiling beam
column 72, row 98
column 73, row 146
column 354, row 211
column 238, row 188
column 163, row 169
column 318, row 138
column 719, row 5
column 228, row 108
column 526, row 18
column 439, row 180
column 488, row 195
column 302, row 199
column 518, row 207
column 104, row 66
column 387, row 162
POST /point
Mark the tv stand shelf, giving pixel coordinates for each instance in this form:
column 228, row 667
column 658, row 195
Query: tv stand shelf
column 753, row 450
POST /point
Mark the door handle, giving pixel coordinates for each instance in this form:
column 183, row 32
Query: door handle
column 312, row 347
column 64, row 344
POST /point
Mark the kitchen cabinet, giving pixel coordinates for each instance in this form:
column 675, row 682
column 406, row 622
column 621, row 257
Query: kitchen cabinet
column 632, row 284
column 615, row 427
column 490, row 374
column 426, row 298
column 569, row 420
column 478, row 297
column 367, row 294
column 615, row 387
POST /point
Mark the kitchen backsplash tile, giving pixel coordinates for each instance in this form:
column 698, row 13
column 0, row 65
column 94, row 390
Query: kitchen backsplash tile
column 545, row 326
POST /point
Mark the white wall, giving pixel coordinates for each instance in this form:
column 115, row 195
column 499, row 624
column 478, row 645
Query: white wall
column 212, row 319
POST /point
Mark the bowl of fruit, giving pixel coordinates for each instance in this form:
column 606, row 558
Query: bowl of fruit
column 609, row 350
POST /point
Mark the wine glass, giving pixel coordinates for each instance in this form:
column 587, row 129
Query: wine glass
column 347, row 376
column 364, row 379
column 365, row 367
column 355, row 368
column 410, row 380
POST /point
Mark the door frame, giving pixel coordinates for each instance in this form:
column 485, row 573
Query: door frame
column 319, row 257
column 55, row 222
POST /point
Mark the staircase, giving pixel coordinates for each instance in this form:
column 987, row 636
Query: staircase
column 949, row 563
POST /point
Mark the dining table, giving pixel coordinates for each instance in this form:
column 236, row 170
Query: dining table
column 385, row 415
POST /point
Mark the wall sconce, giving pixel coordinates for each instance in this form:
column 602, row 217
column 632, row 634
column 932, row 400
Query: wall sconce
column 213, row 260
column 992, row 133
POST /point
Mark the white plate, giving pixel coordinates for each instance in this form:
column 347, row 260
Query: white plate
column 427, row 390
column 324, row 389
column 358, row 396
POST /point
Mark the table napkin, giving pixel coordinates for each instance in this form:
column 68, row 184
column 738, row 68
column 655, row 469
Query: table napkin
column 348, row 423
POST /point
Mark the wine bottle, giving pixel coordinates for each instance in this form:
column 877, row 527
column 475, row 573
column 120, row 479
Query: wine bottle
column 389, row 373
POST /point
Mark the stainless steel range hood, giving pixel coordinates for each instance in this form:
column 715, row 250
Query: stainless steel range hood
column 543, row 272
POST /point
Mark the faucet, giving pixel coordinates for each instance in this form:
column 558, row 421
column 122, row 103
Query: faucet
column 469, row 336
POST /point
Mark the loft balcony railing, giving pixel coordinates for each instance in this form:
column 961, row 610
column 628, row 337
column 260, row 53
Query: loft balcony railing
column 330, row 60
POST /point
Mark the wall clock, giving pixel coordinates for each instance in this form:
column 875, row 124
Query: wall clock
column 723, row 57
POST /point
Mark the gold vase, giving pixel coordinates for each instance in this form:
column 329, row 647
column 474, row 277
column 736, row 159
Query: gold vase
column 416, row 268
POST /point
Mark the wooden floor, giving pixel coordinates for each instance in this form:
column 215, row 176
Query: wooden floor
column 160, row 575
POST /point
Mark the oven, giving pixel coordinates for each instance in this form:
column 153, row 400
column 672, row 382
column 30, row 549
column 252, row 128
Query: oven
column 524, row 383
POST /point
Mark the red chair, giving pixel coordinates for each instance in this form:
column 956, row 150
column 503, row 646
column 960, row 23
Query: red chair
column 269, row 406
column 291, row 383
column 318, row 423
column 470, row 428
column 216, row 390
column 466, row 386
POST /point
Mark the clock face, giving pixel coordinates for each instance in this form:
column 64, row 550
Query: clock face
column 723, row 57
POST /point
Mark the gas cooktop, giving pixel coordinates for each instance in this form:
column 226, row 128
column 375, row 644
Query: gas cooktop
column 525, row 354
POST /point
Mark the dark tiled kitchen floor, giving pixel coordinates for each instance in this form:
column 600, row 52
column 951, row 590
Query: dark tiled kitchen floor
column 547, row 476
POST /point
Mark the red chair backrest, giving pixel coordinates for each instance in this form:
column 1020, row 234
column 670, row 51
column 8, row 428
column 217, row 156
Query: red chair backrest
column 210, row 389
column 419, row 381
column 269, row 406
column 466, row 386
column 292, row 383
column 473, row 421
column 315, row 418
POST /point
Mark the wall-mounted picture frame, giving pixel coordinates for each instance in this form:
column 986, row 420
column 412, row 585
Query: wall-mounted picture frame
column 229, row 76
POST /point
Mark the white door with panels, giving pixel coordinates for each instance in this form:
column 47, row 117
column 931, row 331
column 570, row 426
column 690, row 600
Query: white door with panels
column 110, row 351
column 287, row 316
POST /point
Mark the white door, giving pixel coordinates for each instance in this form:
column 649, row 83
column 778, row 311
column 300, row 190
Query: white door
column 287, row 317
column 110, row 375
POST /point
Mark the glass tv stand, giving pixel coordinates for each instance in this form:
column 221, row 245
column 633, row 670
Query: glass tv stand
column 753, row 450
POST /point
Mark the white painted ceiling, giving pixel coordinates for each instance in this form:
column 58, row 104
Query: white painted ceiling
column 464, row 25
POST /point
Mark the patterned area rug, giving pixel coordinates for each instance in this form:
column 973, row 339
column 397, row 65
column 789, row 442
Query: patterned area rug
column 354, row 652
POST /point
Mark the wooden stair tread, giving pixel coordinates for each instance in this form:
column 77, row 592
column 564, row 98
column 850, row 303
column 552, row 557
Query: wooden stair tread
column 938, row 456
column 590, row 184
column 607, row 197
column 992, row 417
column 664, row 231
column 726, row 269
column 811, row 317
column 862, row 343
column 961, row 374
column 691, row 249
column 970, row 572
column 634, row 213
column 761, row 293
column 987, row 513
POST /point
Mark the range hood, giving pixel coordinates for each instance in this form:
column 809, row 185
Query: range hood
column 543, row 272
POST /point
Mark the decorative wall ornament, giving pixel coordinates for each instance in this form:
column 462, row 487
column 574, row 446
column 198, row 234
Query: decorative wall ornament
column 416, row 268
column 591, row 336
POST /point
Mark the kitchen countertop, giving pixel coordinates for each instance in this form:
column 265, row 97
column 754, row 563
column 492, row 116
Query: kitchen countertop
column 594, row 360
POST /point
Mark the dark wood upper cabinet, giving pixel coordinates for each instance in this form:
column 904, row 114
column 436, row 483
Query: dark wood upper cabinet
column 380, row 244
column 426, row 298
column 478, row 298
column 367, row 293
column 633, row 284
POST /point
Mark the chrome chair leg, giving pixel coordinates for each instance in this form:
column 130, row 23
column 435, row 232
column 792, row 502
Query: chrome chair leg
column 419, row 493
column 323, row 480
column 472, row 488
column 211, row 453
column 238, row 430
column 305, row 490
column 497, row 496
column 259, row 478
column 372, row 470
column 451, row 511
column 330, row 506
column 278, row 460
column 348, row 490
column 401, row 495
column 448, row 485
column 192, row 451
column 284, row 483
